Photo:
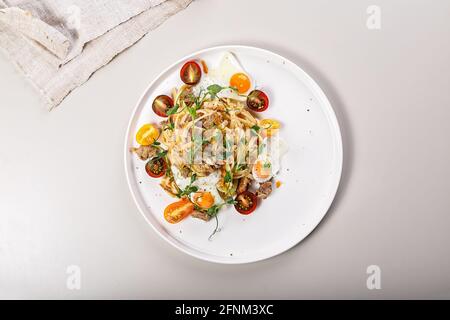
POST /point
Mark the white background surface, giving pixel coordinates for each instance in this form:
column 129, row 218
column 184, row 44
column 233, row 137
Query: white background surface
column 64, row 200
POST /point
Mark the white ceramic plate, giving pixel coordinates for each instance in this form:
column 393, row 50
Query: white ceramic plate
column 310, row 171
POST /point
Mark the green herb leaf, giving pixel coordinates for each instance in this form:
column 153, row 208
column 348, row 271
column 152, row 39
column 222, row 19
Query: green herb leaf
column 169, row 126
column 187, row 191
column 213, row 210
column 193, row 189
column 214, row 89
column 172, row 110
column 256, row 128
column 193, row 112
column 161, row 154
column 156, row 143
column 230, row 201
column 228, row 177
column 193, row 177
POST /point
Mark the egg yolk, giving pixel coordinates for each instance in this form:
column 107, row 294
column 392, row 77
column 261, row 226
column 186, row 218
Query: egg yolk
column 262, row 169
column 204, row 200
column 240, row 81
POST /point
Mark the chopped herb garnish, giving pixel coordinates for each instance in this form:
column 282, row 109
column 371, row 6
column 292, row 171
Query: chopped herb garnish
column 214, row 210
column 193, row 111
column 214, row 89
column 172, row 110
column 190, row 188
column 161, row 154
column 256, row 128
column 187, row 191
column 169, row 126
column 216, row 229
column 228, row 177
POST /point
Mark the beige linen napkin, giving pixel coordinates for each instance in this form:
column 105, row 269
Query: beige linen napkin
column 58, row 44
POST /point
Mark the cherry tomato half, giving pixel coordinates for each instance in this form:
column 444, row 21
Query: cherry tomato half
column 147, row 134
column 161, row 104
column 257, row 101
column 246, row 202
column 190, row 73
column 156, row 167
column 177, row 211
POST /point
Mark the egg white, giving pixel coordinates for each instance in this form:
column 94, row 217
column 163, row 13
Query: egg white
column 206, row 184
column 271, row 150
column 221, row 74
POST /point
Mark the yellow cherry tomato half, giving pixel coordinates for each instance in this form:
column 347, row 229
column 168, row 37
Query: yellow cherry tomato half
column 147, row 134
column 269, row 126
column 241, row 82
column 204, row 200
column 177, row 211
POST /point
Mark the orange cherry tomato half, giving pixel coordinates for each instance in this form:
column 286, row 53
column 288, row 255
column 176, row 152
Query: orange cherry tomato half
column 161, row 104
column 246, row 202
column 156, row 167
column 190, row 73
column 257, row 101
column 177, row 211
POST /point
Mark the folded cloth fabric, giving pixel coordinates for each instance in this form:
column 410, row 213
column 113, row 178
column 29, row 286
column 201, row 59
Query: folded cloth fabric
column 58, row 44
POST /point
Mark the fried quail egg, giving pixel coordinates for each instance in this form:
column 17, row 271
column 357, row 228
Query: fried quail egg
column 227, row 73
column 204, row 184
column 267, row 164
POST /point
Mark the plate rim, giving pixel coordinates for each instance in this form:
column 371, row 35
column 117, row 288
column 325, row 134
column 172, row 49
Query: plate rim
column 330, row 113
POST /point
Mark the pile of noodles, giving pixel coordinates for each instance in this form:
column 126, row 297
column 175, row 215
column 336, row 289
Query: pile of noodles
column 233, row 117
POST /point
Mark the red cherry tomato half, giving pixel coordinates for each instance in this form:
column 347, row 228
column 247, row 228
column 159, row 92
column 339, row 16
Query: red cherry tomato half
column 246, row 202
column 161, row 104
column 156, row 167
column 190, row 73
column 257, row 101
